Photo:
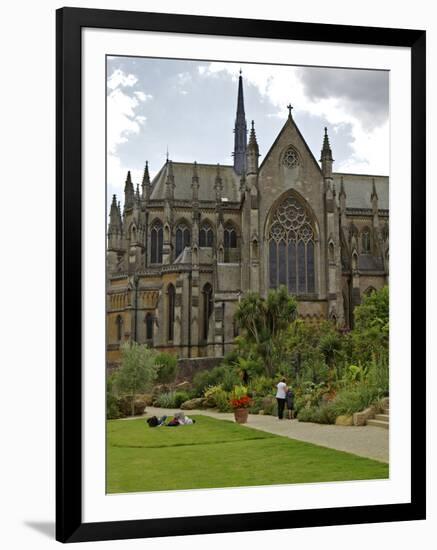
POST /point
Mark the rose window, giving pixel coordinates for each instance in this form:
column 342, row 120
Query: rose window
column 291, row 158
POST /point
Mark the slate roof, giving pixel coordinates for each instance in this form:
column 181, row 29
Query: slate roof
column 205, row 256
column 183, row 174
column 358, row 189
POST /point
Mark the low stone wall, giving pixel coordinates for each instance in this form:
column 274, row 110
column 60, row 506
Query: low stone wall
column 188, row 368
column 360, row 418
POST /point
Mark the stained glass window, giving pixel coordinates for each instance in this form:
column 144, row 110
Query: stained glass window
column 156, row 243
column 206, row 236
column 291, row 158
column 230, row 241
column 365, row 240
column 171, row 310
column 291, row 248
column 183, row 238
column 207, row 309
column 149, row 326
column 119, row 323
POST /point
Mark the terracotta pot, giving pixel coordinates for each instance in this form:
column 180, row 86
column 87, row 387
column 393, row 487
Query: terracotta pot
column 241, row 415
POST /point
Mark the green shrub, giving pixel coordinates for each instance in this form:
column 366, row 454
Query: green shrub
column 230, row 379
column 299, row 403
column 179, row 398
column 325, row 414
column 269, row 405
column 307, row 414
column 355, row 399
column 112, row 409
column 257, row 405
column 167, row 367
column 214, row 377
column 378, row 376
column 218, row 397
column 262, row 385
column 167, row 400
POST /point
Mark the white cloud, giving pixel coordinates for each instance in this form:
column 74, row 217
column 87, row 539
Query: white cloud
column 142, row 96
column 119, row 78
column 282, row 85
column 117, row 177
column 123, row 120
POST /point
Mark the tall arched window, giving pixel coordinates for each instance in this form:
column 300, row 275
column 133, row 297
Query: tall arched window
column 149, row 326
column 230, row 241
column 291, row 248
column 171, row 310
column 206, row 235
column 119, row 325
column 183, row 238
column 207, row 308
column 156, row 242
column 365, row 240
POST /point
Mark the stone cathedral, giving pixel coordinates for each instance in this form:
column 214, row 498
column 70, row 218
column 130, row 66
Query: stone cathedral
column 190, row 243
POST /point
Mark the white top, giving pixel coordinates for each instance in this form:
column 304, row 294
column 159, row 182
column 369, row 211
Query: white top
column 282, row 386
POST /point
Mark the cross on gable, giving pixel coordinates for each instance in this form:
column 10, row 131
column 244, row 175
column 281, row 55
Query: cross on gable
column 289, row 107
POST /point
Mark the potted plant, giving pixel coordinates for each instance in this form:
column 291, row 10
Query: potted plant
column 240, row 403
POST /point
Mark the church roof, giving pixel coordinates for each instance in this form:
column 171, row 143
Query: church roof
column 207, row 173
column 358, row 189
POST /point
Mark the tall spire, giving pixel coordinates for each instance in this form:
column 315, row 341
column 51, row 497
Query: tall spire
column 326, row 156
column 145, row 185
column 129, row 193
column 240, row 132
column 252, row 152
column 326, row 149
column 170, row 184
column 114, row 219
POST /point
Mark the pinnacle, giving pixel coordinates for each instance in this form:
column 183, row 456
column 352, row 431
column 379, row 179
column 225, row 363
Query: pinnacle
column 146, row 175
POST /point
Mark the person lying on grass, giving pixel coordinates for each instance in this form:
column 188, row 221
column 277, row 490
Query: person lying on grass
column 179, row 419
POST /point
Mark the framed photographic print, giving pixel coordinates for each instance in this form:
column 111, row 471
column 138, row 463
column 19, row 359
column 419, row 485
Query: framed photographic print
column 238, row 346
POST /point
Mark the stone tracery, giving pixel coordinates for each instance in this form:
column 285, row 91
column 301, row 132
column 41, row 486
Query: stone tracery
column 291, row 248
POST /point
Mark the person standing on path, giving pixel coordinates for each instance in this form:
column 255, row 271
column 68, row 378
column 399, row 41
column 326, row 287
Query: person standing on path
column 281, row 394
column 289, row 397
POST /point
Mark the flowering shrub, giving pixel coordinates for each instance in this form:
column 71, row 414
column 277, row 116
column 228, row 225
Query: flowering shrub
column 239, row 398
column 241, row 403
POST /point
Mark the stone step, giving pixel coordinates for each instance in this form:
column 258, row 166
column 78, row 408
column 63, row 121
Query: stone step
column 386, row 411
column 378, row 423
column 384, row 417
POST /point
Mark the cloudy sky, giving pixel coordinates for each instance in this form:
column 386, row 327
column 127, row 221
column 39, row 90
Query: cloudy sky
column 188, row 108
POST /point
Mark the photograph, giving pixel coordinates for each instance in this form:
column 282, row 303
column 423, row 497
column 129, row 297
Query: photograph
column 247, row 274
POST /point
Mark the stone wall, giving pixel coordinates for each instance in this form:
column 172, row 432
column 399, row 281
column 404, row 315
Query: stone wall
column 188, row 368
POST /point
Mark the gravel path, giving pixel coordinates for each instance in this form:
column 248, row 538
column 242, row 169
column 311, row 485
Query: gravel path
column 367, row 441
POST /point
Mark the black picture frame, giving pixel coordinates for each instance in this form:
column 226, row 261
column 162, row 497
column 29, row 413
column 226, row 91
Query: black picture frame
column 69, row 525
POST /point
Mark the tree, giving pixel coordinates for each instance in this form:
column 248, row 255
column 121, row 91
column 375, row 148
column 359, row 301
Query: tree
column 167, row 367
column 137, row 372
column 265, row 320
column 371, row 330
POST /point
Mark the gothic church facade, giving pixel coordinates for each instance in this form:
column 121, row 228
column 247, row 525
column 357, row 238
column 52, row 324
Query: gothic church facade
column 189, row 244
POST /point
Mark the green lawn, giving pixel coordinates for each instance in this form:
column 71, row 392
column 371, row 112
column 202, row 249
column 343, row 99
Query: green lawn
column 219, row 453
